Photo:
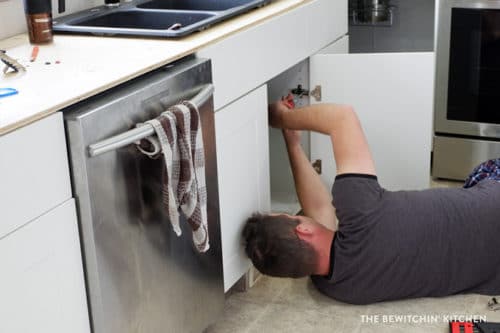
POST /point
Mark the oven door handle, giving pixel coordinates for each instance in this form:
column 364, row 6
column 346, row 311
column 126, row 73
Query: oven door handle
column 138, row 133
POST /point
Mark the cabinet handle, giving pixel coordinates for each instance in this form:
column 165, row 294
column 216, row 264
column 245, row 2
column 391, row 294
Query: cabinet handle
column 135, row 134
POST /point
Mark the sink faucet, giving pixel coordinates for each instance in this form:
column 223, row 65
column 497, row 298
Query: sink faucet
column 61, row 6
column 112, row 3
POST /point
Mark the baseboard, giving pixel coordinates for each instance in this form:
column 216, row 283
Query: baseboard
column 247, row 281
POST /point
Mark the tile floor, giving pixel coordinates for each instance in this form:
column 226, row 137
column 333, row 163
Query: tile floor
column 288, row 305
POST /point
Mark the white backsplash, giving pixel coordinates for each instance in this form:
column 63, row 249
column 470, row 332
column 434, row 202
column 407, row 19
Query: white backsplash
column 13, row 22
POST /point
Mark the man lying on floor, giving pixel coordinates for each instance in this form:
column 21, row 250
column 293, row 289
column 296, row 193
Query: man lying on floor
column 388, row 245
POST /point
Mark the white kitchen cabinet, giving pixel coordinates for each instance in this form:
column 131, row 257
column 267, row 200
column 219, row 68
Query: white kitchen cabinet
column 34, row 172
column 42, row 285
column 326, row 20
column 243, row 169
column 392, row 94
column 246, row 60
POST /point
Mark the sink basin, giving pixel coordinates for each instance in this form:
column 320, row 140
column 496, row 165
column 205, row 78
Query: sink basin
column 154, row 18
column 203, row 5
column 135, row 19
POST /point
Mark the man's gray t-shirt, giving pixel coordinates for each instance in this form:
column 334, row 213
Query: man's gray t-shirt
column 405, row 244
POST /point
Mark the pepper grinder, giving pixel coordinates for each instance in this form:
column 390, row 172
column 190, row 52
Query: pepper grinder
column 39, row 19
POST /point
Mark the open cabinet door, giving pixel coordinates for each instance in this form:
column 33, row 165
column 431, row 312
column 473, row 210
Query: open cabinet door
column 392, row 94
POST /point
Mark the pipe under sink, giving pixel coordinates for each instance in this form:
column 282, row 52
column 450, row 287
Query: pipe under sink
column 154, row 18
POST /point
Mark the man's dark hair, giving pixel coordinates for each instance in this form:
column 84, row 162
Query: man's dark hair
column 275, row 249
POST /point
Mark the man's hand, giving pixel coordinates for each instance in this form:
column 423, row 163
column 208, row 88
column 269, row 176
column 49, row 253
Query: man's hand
column 278, row 109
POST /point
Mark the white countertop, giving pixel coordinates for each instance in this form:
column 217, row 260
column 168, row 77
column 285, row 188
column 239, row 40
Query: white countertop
column 89, row 65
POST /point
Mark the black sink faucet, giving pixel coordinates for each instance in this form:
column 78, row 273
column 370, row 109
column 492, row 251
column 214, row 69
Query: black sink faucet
column 112, row 3
column 61, row 6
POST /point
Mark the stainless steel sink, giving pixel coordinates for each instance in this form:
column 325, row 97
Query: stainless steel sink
column 136, row 19
column 154, row 18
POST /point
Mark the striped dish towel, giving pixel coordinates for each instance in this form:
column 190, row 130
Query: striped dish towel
column 178, row 133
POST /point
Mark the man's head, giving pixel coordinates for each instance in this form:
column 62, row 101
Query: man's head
column 283, row 245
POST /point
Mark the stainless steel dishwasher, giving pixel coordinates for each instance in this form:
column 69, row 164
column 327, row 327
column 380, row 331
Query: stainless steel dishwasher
column 140, row 276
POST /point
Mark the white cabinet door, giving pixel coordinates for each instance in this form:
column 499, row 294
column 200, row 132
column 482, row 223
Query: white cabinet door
column 34, row 172
column 243, row 170
column 392, row 94
column 42, row 286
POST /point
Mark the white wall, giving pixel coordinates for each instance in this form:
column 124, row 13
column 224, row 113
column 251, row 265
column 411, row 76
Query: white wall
column 12, row 21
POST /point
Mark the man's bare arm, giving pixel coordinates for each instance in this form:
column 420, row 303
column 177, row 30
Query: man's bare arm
column 314, row 198
column 350, row 148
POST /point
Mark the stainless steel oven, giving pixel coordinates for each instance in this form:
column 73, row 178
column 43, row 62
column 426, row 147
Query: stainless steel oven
column 467, row 87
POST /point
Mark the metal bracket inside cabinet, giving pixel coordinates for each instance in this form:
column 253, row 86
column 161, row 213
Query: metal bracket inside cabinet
column 299, row 91
column 316, row 93
column 317, row 166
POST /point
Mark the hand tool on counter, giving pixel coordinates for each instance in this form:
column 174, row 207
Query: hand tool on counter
column 11, row 65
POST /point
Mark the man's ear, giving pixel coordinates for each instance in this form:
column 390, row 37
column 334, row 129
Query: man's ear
column 303, row 229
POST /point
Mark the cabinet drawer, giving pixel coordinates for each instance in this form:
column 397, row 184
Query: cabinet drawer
column 42, row 285
column 250, row 58
column 34, row 174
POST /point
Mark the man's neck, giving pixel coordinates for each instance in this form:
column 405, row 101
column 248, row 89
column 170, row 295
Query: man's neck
column 324, row 251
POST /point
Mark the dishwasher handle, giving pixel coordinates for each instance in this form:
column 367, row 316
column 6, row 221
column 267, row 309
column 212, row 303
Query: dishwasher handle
column 138, row 133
